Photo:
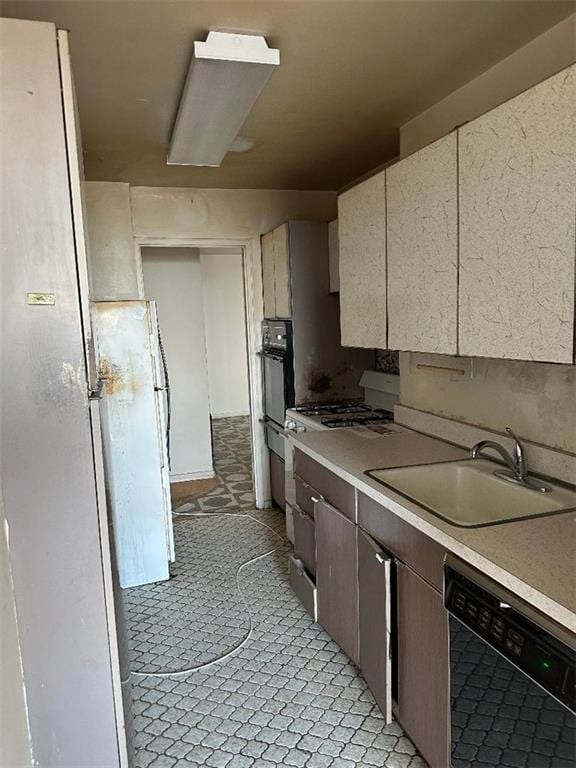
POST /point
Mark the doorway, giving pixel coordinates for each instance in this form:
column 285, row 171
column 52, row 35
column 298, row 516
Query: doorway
column 251, row 281
column 201, row 307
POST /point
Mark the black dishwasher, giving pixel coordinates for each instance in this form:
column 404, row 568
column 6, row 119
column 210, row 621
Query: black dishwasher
column 512, row 678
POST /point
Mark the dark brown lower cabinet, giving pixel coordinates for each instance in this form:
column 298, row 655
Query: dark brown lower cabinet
column 374, row 609
column 423, row 682
column 337, row 577
column 278, row 480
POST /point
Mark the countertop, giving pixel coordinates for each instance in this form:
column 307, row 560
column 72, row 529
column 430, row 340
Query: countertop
column 535, row 559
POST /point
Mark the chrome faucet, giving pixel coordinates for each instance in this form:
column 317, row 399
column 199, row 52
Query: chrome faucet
column 517, row 471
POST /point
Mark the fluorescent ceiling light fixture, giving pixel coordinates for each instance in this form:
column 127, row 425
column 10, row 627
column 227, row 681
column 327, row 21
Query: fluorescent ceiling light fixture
column 226, row 76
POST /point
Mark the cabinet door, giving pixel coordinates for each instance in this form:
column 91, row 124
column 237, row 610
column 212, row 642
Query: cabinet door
column 337, row 577
column 423, row 697
column 421, row 206
column 517, row 230
column 277, row 480
column 267, row 242
column 282, row 272
column 375, row 620
column 362, row 237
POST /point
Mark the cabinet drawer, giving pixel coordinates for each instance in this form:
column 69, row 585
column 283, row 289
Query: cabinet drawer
column 421, row 553
column 305, row 496
column 303, row 586
column 304, row 539
column 337, row 492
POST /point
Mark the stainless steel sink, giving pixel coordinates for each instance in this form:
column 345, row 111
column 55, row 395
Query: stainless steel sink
column 468, row 493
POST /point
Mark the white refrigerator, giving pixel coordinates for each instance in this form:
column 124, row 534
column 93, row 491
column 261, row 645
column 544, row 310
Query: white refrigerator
column 135, row 416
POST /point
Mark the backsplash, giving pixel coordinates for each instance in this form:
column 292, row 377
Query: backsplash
column 387, row 361
column 535, row 399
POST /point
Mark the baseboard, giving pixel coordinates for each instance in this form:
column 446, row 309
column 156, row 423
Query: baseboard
column 229, row 414
column 203, row 474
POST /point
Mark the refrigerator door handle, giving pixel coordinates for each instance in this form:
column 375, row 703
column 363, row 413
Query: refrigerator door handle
column 98, row 392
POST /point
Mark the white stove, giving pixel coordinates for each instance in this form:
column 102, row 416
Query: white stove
column 376, row 412
column 371, row 418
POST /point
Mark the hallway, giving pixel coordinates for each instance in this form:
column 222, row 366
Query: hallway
column 228, row 668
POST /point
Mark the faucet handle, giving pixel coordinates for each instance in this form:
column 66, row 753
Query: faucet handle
column 511, row 433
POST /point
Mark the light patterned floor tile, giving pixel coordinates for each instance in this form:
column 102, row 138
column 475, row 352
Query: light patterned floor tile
column 286, row 696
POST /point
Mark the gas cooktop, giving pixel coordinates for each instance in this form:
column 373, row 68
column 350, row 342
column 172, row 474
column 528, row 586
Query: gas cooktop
column 346, row 413
column 369, row 418
column 329, row 409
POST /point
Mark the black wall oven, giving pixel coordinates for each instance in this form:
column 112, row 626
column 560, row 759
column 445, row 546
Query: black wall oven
column 278, row 373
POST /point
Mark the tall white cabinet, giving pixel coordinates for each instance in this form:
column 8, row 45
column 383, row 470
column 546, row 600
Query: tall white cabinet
column 517, row 203
column 362, row 239
column 50, row 445
column 422, row 230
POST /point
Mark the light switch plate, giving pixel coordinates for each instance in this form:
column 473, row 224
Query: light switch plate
column 41, row 299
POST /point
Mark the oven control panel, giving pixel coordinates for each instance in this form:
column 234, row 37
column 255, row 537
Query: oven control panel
column 534, row 651
column 276, row 335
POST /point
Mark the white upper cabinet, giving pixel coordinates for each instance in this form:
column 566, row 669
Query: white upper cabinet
column 276, row 273
column 517, row 229
column 422, row 233
column 282, row 271
column 268, row 287
column 362, row 236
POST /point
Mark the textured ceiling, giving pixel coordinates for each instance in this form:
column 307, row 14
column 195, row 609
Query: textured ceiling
column 352, row 72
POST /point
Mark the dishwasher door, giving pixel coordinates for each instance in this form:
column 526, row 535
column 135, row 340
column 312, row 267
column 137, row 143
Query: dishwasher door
column 512, row 678
column 499, row 717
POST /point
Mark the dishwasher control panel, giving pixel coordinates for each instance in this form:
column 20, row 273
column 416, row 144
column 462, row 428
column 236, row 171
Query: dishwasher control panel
column 541, row 656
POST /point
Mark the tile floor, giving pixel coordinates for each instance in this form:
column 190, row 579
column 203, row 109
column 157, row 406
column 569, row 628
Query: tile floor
column 269, row 687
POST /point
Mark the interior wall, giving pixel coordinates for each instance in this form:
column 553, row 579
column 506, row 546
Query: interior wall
column 173, row 278
column 225, row 324
column 116, row 213
column 15, row 736
column 110, row 241
column 540, row 58
column 535, row 399
column 223, row 213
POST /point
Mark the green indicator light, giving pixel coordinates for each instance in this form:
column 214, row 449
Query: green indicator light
column 545, row 665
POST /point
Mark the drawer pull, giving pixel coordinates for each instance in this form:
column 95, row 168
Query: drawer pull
column 380, row 559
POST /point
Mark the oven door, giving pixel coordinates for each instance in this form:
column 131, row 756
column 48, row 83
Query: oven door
column 275, row 439
column 278, row 386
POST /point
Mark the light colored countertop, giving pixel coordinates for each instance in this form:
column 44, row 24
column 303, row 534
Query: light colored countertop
column 535, row 558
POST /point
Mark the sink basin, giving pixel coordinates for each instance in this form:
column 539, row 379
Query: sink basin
column 468, row 493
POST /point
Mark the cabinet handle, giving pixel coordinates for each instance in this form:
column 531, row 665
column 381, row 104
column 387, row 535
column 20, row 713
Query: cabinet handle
column 380, row 558
column 315, row 499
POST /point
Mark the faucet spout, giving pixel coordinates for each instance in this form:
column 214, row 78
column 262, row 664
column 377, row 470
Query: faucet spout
column 484, row 445
column 517, row 471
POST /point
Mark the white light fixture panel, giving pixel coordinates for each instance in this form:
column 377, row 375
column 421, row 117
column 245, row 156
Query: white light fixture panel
column 226, row 76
